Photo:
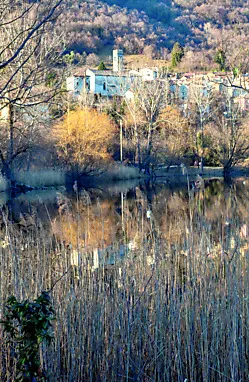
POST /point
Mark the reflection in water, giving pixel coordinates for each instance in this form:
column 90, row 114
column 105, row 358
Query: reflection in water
column 148, row 270
column 97, row 225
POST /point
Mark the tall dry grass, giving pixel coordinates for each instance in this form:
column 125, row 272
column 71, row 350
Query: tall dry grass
column 43, row 178
column 169, row 311
column 122, row 172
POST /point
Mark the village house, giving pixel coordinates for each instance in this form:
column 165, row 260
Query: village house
column 109, row 83
column 104, row 83
column 185, row 88
column 119, row 82
column 145, row 74
column 75, row 84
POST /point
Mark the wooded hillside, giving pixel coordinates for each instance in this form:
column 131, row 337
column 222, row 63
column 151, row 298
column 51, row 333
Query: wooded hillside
column 95, row 26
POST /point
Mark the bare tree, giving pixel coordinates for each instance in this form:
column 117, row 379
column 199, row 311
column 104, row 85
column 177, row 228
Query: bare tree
column 201, row 100
column 145, row 109
column 229, row 134
column 29, row 51
column 34, row 19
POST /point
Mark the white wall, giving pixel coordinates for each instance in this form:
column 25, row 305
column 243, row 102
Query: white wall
column 75, row 85
column 148, row 74
column 108, row 85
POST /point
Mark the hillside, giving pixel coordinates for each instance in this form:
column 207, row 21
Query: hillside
column 152, row 26
column 93, row 25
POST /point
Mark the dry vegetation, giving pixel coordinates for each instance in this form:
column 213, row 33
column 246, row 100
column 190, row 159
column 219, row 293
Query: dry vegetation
column 174, row 308
column 142, row 61
column 121, row 172
column 39, row 179
column 84, row 137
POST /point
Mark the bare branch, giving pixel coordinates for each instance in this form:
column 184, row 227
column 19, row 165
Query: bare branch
column 3, row 24
column 46, row 19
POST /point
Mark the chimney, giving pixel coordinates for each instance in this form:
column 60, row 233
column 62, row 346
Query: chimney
column 118, row 60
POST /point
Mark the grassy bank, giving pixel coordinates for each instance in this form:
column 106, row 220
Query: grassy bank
column 43, row 178
column 118, row 172
column 53, row 178
column 192, row 171
column 217, row 172
column 121, row 172
column 36, row 179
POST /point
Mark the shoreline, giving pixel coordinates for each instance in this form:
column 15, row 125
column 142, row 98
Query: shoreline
column 118, row 175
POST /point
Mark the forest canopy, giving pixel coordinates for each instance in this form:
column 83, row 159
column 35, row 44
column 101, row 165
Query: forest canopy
column 96, row 26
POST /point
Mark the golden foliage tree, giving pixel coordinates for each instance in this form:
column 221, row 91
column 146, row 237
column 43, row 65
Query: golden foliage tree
column 84, row 137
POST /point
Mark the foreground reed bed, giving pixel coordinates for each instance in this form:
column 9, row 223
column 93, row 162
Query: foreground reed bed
column 166, row 311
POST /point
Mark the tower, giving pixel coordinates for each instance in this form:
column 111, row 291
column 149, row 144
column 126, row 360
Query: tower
column 118, row 60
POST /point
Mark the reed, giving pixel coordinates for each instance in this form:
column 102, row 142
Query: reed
column 39, row 179
column 174, row 308
column 122, row 172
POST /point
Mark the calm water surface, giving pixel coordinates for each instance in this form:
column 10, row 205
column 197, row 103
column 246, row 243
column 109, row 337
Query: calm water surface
column 117, row 218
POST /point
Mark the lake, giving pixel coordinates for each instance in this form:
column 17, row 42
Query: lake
column 149, row 280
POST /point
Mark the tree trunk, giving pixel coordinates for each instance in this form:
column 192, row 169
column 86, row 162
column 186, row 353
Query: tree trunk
column 227, row 167
column 8, row 164
column 137, row 148
column 7, row 170
column 6, row 173
column 147, row 161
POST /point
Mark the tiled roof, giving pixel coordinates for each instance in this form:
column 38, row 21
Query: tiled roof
column 110, row 73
